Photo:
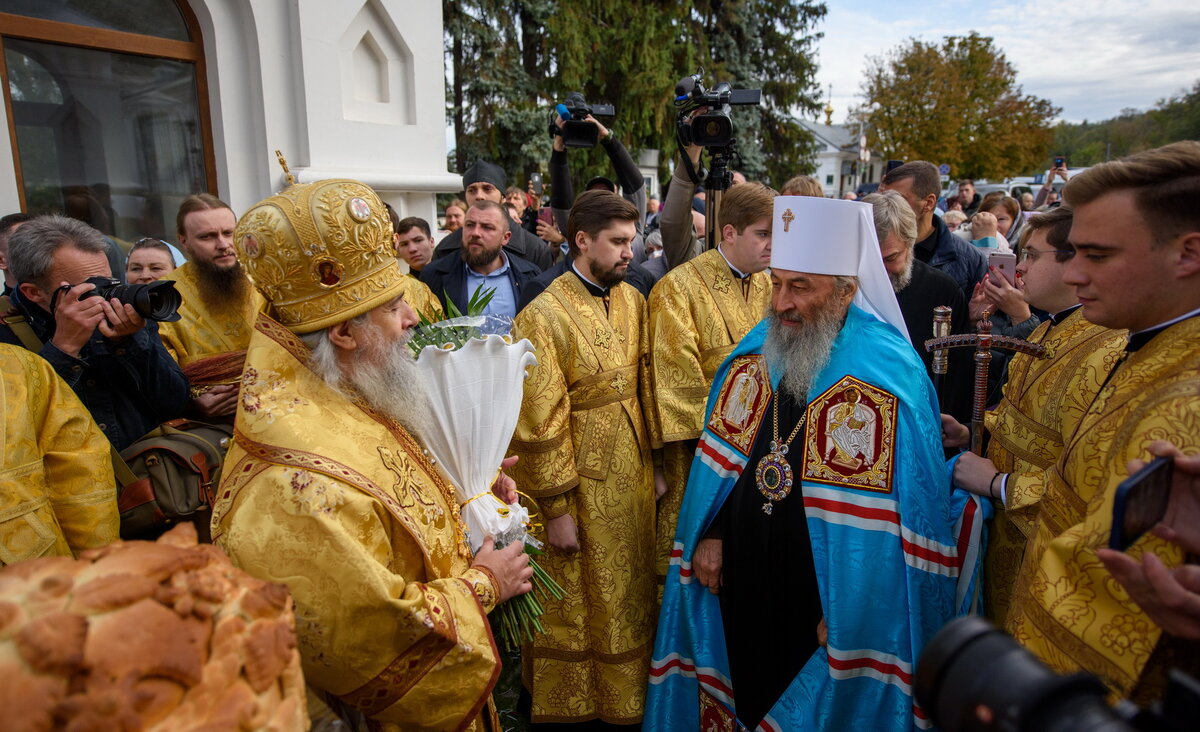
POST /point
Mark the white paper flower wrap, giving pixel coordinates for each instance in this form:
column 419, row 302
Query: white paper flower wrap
column 476, row 394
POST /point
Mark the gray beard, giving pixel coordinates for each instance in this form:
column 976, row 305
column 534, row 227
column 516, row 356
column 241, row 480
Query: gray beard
column 386, row 378
column 902, row 280
column 801, row 353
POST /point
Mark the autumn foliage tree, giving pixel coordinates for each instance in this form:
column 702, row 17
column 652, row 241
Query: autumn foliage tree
column 957, row 102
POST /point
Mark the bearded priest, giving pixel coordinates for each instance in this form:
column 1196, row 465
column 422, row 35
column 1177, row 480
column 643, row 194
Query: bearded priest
column 326, row 487
column 819, row 543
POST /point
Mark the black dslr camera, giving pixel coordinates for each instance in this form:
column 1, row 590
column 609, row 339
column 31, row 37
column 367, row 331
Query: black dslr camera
column 714, row 128
column 972, row 677
column 576, row 130
column 155, row 301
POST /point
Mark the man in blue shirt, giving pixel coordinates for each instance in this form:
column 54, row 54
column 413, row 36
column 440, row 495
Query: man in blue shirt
column 483, row 262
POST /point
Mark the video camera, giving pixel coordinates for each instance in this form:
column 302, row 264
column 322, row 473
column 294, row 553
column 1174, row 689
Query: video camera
column 972, row 677
column 714, row 128
column 576, row 130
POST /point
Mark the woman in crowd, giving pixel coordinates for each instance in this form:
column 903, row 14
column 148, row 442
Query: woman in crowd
column 149, row 260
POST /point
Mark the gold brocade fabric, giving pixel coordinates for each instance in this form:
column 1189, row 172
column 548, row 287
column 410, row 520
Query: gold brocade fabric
column 422, row 300
column 585, row 450
column 203, row 330
column 1044, row 399
column 698, row 313
column 57, row 492
column 343, row 506
column 1066, row 607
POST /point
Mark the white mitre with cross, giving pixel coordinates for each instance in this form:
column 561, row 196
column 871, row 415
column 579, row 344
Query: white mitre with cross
column 835, row 237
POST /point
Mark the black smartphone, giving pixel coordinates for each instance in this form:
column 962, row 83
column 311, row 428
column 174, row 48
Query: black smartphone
column 1060, row 161
column 536, row 179
column 1141, row 502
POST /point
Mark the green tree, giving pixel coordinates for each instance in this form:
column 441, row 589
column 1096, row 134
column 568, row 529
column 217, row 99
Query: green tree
column 956, row 102
column 765, row 44
column 509, row 61
column 1170, row 120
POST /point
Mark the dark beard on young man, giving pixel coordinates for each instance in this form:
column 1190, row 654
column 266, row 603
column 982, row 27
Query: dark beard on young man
column 611, row 277
column 480, row 258
column 220, row 285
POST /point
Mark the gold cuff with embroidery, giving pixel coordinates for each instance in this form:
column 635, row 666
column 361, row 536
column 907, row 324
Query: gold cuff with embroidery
column 485, row 586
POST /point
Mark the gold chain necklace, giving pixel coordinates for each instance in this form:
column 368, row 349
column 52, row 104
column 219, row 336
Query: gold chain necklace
column 774, row 474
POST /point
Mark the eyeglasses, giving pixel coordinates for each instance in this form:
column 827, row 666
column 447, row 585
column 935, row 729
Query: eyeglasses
column 1031, row 255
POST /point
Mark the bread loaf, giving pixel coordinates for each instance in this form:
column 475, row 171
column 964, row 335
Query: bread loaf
column 164, row 635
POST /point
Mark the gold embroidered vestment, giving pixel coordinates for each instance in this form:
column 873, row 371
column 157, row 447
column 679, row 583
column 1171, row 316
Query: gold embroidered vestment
column 57, row 492
column 1044, row 399
column 585, row 450
column 204, row 330
column 1066, row 607
column 342, row 505
column 698, row 313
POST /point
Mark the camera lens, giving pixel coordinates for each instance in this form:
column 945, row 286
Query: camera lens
column 972, row 677
column 156, row 300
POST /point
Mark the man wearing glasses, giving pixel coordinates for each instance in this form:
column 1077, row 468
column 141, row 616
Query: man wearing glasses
column 1044, row 399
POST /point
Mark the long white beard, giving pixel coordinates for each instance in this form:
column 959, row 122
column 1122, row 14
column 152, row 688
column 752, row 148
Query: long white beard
column 801, row 353
column 384, row 375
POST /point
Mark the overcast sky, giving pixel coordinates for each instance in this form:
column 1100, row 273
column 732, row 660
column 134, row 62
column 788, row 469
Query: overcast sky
column 1092, row 59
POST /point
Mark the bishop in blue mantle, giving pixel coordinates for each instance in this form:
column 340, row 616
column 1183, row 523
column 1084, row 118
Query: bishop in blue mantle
column 820, row 543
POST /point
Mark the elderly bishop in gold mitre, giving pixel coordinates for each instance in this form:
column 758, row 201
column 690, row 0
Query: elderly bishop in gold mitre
column 326, row 486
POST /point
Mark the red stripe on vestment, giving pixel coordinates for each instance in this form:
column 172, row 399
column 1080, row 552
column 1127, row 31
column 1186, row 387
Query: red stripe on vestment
column 929, row 555
column 716, row 455
column 964, row 534
column 890, row 669
column 878, row 514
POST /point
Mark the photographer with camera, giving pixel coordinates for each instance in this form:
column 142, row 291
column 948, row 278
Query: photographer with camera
column 704, row 123
column 108, row 352
column 575, row 126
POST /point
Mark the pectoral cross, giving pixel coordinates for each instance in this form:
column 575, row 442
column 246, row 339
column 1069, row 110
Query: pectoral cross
column 788, row 218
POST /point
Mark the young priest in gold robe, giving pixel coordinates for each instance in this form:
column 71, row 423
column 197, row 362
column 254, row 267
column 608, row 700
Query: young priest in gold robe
column 219, row 301
column 585, row 455
column 698, row 313
column 1044, row 399
column 1136, row 233
column 326, row 486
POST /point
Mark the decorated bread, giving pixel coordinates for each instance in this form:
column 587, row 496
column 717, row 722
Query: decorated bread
column 137, row 635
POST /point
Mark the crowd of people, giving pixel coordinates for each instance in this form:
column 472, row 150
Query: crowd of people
column 752, row 474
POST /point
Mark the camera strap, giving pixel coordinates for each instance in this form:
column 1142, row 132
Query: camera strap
column 24, row 332
column 696, row 176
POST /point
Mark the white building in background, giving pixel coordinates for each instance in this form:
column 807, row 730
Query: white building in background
column 838, row 150
column 117, row 110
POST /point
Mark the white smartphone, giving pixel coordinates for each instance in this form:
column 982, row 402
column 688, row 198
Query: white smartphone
column 1006, row 262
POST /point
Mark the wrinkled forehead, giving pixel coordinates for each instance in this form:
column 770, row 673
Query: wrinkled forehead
column 789, row 276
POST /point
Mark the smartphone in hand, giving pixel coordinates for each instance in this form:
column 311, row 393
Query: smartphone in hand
column 1059, row 162
column 536, row 180
column 1006, row 262
column 1141, row 502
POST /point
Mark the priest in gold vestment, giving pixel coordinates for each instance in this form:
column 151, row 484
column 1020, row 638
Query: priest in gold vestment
column 1136, row 233
column 585, row 455
column 326, row 487
column 220, row 303
column 698, row 313
column 57, row 494
column 1044, row 399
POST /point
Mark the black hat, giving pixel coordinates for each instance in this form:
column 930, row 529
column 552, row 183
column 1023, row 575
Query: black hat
column 601, row 180
column 483, row 171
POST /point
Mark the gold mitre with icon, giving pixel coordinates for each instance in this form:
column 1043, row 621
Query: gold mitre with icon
column 320, row 253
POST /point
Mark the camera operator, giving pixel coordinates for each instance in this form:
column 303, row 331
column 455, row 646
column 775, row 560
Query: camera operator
column 680, row 241
column 562, row 198
column 111, row 357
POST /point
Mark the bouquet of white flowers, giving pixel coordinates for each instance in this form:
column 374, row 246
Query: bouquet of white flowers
column 475, row 373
